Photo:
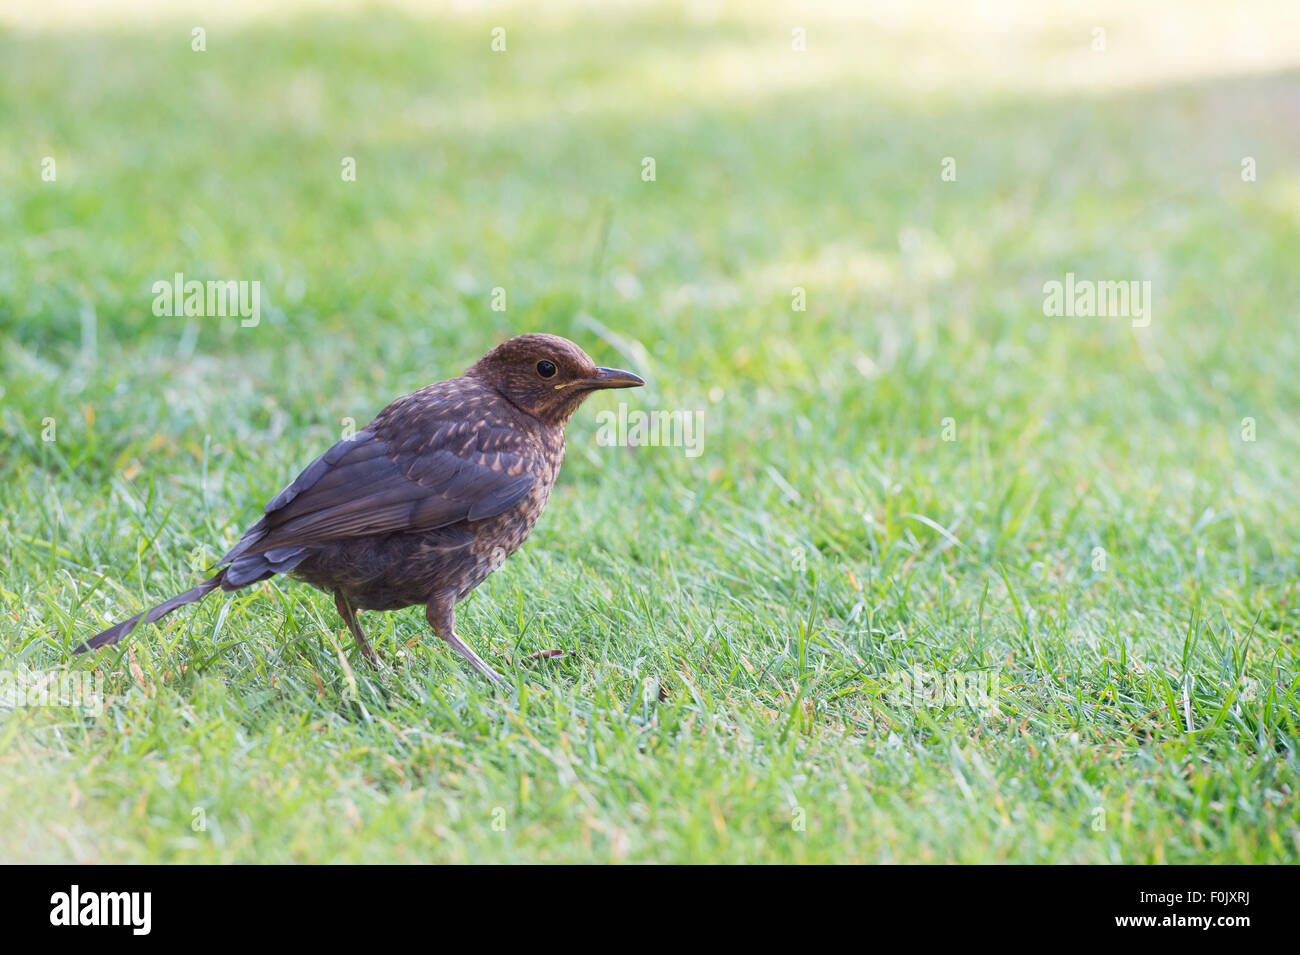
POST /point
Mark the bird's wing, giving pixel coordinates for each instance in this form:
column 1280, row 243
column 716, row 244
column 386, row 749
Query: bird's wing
column 367, row 485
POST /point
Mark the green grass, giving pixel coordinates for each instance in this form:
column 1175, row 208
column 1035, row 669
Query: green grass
column 827, row 538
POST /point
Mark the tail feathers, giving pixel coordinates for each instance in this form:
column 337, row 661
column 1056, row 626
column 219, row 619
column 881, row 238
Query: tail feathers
column 251, row 568
column 116, row 632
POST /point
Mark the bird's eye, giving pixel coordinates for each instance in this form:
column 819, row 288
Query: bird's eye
column 546, row 369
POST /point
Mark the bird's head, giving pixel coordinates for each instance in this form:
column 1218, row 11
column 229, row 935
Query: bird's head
column 546, row 375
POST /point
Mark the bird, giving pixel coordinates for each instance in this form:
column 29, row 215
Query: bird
column 425, row 501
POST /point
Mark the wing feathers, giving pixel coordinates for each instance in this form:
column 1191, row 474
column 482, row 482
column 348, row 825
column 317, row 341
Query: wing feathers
column 368, row 485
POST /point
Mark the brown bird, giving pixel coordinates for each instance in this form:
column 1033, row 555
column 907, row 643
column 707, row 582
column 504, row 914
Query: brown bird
column 420, row 505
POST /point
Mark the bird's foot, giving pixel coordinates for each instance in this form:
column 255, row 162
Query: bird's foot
column 349, row 616
column 548, row 654
column 441, row 617
column 474, row 660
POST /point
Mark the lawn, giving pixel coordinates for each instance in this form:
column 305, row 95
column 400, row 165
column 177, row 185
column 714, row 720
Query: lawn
column 950, row 578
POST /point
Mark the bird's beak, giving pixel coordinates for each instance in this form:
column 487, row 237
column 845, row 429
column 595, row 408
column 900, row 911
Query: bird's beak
column 613, row 378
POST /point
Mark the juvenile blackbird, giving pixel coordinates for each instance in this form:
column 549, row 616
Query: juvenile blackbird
column 424, row 502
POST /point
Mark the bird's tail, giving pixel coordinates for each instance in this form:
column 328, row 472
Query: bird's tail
column 116, row 632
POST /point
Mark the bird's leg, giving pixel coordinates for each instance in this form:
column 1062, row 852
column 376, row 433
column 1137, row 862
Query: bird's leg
column 441, row 614
column 350, row 618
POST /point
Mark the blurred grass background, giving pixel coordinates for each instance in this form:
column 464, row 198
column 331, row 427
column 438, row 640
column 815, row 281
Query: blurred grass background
column 827, row 537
